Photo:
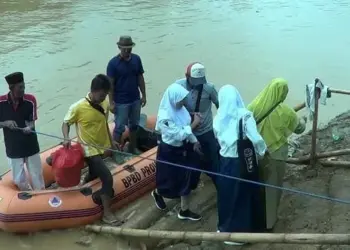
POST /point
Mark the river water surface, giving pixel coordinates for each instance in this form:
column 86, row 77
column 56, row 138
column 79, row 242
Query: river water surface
column 61, row 44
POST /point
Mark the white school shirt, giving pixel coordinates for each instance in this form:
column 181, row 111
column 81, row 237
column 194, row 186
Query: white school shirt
column 251, row 131
column 175, row 135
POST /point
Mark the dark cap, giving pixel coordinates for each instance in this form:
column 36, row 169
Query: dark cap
column 125, row 42
column 14, row 78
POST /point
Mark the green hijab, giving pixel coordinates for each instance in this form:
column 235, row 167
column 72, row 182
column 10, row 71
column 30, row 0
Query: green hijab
column 282, row 121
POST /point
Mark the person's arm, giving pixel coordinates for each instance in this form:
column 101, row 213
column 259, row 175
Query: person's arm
column 65, row 130
column 108, row 130
column 111, row 92
column 301, row 126
column 30, row 124
column 33, row 116
column 142, row 84
column 8, row 124
column 293, row 123
column 176, row 132
column 214, row 97
column 254, row 136
column 69, row 119
column 112, row 75
column 2, row 122
column 188, row 104
column 192, row 138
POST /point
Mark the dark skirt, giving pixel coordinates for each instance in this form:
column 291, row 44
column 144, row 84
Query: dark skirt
column 210, row 159
column 172, row 181
column 240, row 204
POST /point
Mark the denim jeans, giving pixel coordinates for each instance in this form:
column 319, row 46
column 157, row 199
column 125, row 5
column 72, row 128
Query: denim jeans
column 126, row 115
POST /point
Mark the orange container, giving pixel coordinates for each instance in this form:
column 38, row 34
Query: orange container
column 72, row 207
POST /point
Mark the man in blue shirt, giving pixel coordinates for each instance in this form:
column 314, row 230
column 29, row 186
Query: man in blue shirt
column 126, row 71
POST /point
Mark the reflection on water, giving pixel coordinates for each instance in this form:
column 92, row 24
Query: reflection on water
column 61, row 44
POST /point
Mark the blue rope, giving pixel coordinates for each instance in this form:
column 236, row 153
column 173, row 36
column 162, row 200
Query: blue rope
column 212, row 173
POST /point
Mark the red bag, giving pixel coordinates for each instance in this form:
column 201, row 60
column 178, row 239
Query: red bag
column 67, row 165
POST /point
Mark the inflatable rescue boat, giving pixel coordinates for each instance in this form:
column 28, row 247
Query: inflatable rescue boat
column 31, row 211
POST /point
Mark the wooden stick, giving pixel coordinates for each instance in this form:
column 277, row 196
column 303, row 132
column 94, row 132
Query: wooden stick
column 306, row 158
column 314, row 127
column 322, row 239
column 299, row 107
column 339, row 91
column 335, row 91
column 335, row 163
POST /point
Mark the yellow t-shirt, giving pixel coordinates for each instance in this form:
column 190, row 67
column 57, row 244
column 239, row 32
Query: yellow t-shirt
column 91, row 125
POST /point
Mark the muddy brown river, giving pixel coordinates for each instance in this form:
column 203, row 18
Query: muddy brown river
column 61, row 44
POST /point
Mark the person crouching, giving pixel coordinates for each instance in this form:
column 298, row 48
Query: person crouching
column 177, row 139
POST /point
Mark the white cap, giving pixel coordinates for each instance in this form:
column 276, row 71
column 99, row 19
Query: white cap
column 196, row 71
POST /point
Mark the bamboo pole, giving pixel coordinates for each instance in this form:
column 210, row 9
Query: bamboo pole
column 335, row 163
column 314, row 126
column 335, row 91
column 339, row 91
column 299, row 107
column 323, row 239
column 305, row 159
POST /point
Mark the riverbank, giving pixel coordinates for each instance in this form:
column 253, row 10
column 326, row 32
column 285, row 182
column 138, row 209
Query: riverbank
column 297, row 213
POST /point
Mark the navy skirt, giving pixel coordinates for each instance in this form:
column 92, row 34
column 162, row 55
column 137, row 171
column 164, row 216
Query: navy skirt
column 240, row 204
column 172, row 181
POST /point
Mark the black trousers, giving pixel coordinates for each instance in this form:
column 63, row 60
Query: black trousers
column 98, row 169
column 210, row 159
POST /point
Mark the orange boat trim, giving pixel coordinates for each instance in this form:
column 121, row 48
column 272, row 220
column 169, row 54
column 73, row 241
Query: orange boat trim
column 72, row 213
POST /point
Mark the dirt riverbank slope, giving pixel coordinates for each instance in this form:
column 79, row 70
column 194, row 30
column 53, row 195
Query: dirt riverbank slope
column 297, row 213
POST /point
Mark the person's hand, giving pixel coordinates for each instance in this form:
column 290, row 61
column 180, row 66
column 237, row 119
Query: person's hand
column 66, row 143
column 112, row 108
column 115, row 145
column 196, row 119
column 10, row 124
column 27, row 130
column 197, row 148
column 265, row 159
column 143, row 101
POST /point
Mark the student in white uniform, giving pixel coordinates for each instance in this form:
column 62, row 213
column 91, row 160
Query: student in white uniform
column 177, row 140
column 240, row 207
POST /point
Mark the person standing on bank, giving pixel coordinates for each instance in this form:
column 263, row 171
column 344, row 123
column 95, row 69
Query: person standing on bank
column 278, row 122
column 174, row 125
column 126, row 71
column 90, row 115
column 239, row 203
column 18, row 113
column 202, row 95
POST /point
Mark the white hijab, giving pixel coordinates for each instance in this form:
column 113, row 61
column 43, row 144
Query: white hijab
column 231, row 110
column 167, row 108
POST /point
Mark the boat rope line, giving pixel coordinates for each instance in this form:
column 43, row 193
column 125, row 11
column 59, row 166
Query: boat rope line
column 290, row 190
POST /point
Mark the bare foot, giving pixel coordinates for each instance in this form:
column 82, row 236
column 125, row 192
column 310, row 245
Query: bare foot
column 110, row 219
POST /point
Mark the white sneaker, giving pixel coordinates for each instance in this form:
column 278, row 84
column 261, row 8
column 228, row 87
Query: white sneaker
column 232, row 243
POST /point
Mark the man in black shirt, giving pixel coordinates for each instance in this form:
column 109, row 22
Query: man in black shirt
column 18, row 113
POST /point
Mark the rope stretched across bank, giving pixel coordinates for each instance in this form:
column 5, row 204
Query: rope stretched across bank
column 207, row 172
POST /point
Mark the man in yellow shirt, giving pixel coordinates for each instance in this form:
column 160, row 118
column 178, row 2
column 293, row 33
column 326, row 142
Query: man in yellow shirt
column 90, row 115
